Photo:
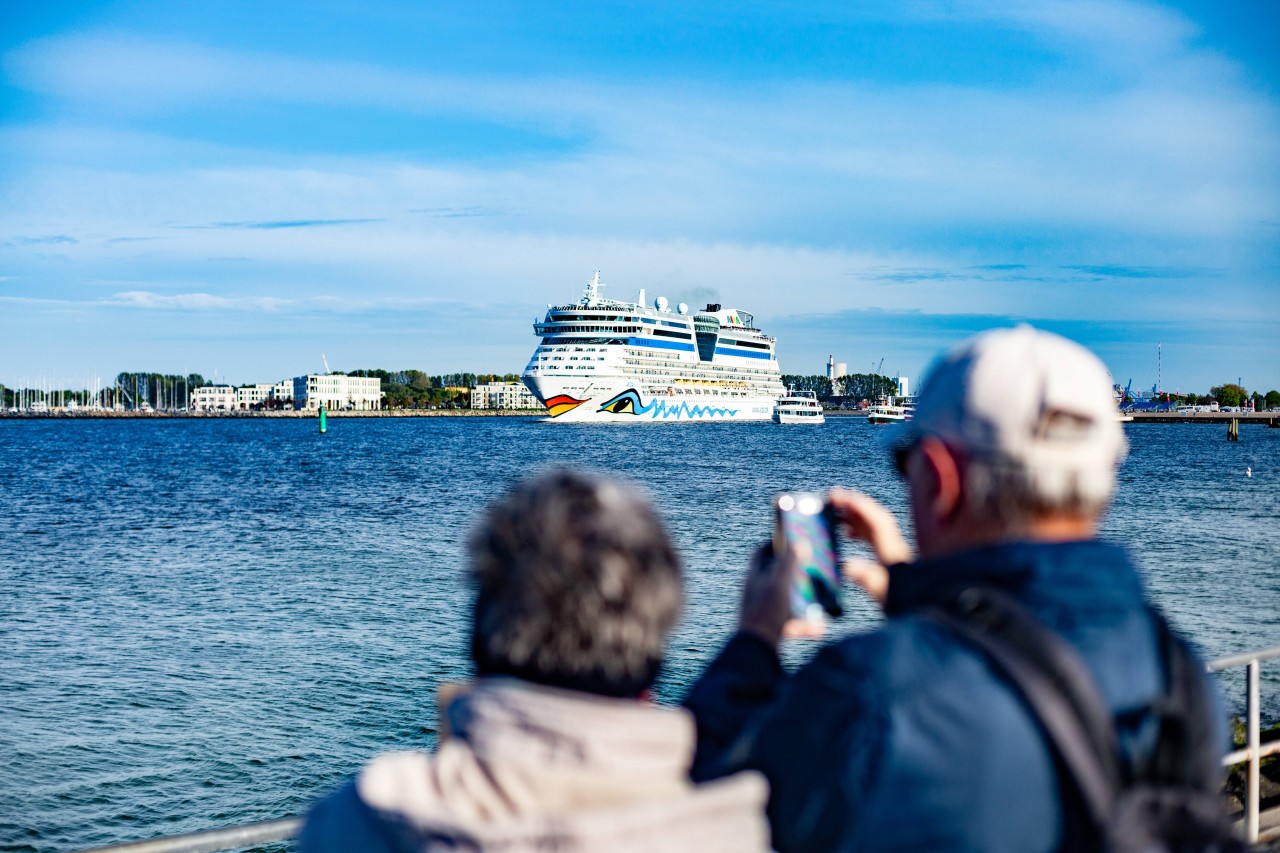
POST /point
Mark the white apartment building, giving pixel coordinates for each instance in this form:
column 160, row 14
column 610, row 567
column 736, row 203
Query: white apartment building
column 337, row 391
column 248, row 396
column 503, row 395
column 282, row 390
column 213, row 398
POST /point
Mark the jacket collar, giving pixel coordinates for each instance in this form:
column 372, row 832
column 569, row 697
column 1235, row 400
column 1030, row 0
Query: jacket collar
column 1089, row 572
column 500, row 717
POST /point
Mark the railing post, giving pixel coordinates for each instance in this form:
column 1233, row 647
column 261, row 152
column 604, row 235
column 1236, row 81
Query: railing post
column 1253, row 743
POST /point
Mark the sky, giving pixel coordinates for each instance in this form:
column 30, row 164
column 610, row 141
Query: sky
column 235, row 188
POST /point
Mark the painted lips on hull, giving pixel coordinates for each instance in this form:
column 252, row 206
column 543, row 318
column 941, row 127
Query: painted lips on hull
column 561, row 403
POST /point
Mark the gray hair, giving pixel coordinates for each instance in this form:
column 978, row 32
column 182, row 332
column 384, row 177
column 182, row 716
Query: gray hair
column 577, row 584
column 1012, row 493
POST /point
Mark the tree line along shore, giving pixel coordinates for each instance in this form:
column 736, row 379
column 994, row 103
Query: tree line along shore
column 418, row 391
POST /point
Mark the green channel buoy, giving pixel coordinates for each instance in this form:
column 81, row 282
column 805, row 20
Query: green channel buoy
column 323, row 421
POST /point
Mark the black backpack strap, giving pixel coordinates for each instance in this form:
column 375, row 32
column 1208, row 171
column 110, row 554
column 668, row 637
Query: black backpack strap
column 1186, row 753
column 1054, row 683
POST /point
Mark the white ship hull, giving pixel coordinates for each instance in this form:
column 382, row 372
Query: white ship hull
column 620, row 403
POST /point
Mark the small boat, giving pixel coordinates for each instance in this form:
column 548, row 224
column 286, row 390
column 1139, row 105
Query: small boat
column 798, row 407
column 887, row 412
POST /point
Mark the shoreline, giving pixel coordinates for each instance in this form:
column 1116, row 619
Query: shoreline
column 1149, row 417
column 76, row 415
column 1264, row 418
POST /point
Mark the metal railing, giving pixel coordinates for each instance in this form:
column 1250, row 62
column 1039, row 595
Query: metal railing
column 284, row 829
column 212, row 840
column 1253, row 751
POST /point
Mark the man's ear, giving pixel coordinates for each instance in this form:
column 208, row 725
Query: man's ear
column 945, row 483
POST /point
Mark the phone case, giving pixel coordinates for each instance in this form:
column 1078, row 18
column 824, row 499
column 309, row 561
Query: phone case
column 815, row 586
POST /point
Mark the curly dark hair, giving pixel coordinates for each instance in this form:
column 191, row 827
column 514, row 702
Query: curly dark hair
column 577, row 585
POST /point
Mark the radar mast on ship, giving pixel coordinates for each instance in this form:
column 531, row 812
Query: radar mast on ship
column 592, row 294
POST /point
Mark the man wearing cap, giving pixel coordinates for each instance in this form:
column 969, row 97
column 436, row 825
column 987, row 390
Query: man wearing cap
column 906, row 738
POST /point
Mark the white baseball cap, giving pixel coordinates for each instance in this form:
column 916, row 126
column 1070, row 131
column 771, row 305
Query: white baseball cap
column 1028, row 396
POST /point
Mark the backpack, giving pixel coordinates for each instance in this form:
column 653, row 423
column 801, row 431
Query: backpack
column 1167, row 800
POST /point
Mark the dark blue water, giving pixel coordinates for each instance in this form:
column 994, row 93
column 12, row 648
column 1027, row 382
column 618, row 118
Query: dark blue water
column 208, row 622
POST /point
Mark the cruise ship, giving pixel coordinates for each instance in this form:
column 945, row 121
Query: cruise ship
column 602, row 360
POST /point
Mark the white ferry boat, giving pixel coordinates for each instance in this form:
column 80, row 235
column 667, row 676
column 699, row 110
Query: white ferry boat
column 602, row 360
column 887, row 412
column 798, row 407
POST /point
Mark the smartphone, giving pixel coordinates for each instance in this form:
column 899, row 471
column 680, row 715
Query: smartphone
column 815, row 586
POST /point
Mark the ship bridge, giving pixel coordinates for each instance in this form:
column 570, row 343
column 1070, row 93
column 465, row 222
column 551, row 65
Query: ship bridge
column 731, row 332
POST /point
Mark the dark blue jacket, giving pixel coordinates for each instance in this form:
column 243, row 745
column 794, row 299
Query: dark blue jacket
column 903, row 738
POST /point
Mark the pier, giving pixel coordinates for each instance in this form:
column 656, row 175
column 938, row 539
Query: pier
column 1262, row 418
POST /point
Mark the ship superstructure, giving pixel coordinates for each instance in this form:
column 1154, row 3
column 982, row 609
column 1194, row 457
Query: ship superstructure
column 607, row 360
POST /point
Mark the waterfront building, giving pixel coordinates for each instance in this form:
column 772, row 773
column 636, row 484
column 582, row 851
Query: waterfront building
column 213, row 398
column 503, row 395
column 248, row 396
column 282, row 390
column 337, row 391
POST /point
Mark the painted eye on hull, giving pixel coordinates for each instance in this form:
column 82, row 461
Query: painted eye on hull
column 626, row 403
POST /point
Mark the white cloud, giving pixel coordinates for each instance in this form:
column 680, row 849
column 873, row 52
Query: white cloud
column 206, row 302
column 193, row 301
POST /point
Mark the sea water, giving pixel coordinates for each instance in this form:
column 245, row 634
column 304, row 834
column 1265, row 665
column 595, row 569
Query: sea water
column 208, row 622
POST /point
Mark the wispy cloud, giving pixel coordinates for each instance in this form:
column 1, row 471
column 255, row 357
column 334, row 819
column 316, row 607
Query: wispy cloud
column 1142, row 155
column 459, row 212
column 53, row 240
column 1194, row 356
column 1125, row 271
column 915, row 275
column 273, row 225
column 207, row 302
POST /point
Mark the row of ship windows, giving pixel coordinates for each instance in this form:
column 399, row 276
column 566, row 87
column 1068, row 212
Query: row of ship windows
column 661, row 390
column 591, row 318
column 587, row 318
column 737, row 383
column 549, row 328
column 692, row 370
column 640, row 357
column 683, row 335
column 659, row 358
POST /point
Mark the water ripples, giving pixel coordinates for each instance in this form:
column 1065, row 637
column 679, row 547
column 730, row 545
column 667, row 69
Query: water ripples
column 211, row 622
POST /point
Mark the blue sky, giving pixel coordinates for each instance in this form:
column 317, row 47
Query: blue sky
column 235, row 187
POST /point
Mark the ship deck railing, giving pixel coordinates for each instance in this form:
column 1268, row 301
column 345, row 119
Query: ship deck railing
column 1250, row 826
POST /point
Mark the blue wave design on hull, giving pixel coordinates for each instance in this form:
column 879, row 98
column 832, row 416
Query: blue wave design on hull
column 661, row 409
column 629, row 403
